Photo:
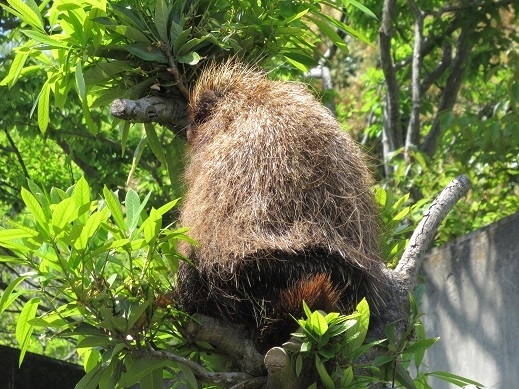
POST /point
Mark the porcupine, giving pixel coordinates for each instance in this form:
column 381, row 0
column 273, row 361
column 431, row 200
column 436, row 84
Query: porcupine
column 278, row 198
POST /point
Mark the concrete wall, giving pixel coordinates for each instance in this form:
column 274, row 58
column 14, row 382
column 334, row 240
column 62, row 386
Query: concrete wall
column 472, row 303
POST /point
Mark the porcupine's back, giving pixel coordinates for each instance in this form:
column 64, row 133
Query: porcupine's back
column 279, row 199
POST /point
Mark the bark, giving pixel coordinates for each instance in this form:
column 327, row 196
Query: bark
column 392, row 131
column 413, row 128
column 170, row 112
column 451, row 90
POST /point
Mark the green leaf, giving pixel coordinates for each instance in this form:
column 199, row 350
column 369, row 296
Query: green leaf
column 52, row 40
column 137, row 312
column 140, row 369
column 90, row 228
column 189, row 376
column 96, row 341
column 91, row 125
column 34, row 207
column 153, row 380
column 15, row 69
column 363, row 323
column 323, row 374
column 381, row 196
column 299, row 364
column 91, row 379
column 81, row 194
column 153, row 141
column 27, row 11
column 181, row 40
column 147, row 52
column 330, row 32
column 8, row 296
column 420, row 345
column 23, row 328
column 162, row 12
column 64, row 212
column 454, row 379
column 132, row 203
column 191, row 58
column 15, row 233
column 318, row 323
column 151, row 226
column 112, row 201
column 80, row 81
column 347, row 377
column 188, row 46
column 137, row 154
column 419, row 355
column 361, row 7
column 44, row 107
column 403, row 376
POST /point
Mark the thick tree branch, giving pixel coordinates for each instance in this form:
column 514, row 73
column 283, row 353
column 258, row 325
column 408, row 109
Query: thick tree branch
column 238, row 346
column 170, row 112
column 411, row 260
column 452, row 87
column 227, row 379
column 437, row 72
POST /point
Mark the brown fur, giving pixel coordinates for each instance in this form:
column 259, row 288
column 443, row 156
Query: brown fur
column 279, row 199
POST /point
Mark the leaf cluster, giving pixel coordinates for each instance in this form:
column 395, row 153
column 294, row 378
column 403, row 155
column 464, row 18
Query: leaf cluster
column 101, row 272
column 336, row 344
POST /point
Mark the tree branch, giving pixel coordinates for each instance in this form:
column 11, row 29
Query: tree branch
column 172, row 113
column 412, row 259
column 452, row 87
column 436, row 73
column 238, row 346
column 413, row 128
column 17, row 153
column 227, row 379
column 392, row 124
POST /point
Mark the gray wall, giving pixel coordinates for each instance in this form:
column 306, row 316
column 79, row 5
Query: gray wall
column 472, row 303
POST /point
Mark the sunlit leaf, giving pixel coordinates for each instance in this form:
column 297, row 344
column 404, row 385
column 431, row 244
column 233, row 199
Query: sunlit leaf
column 44, row 107
column 8, row 296
column 23, row 328
column 27, row 11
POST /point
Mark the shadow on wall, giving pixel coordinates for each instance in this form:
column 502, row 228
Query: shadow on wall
column 472, row 303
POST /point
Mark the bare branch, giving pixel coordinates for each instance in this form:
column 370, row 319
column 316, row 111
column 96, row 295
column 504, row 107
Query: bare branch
column 437, row 72
column 280, row 371
column 237, row 346
column 173, row 69
column 452, row 87
column 412, row 258
column 392, row 125
column 17, row 153
column 227, row 379
column 151, row 109
column 413, row 129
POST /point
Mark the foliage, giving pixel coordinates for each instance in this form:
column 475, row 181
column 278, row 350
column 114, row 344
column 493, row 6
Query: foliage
column 336, row 345
column 467, row 105
column 103, row 270
column 100, row 273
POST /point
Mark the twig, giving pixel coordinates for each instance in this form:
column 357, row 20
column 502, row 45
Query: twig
column 173, row 69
